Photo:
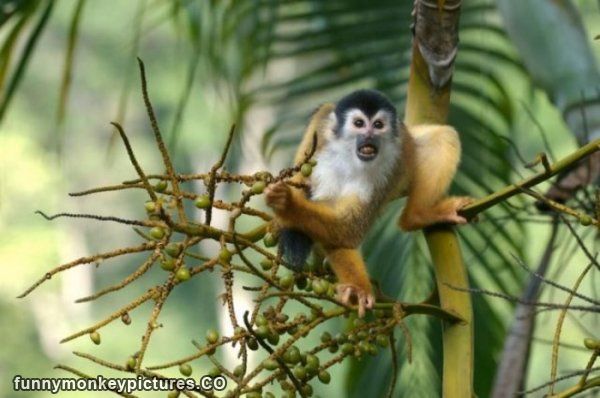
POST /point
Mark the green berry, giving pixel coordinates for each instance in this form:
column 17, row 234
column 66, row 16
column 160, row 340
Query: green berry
column 214, row 372
column 270, row 364
column 326, row 337
column 238, row 371
column 212, row 336
column 150, row 207
column 261, row 320
column 262, row 331
column 157, row 232
column 266, row 264
column 252, row 344
column 585, row 220
column 358, row 322
column 160, row 186
column 269, row 240
column 306, row 169
column 131, row 362
column 225, row 255
column 307, row 390
column 348, row 348
column 95, row 336
column 185, row 369
column 286, row 281
column 312, row 363
column 300, row 372
column 379, row 313
column 591, row 344
column 324, row 377
column 292, row 355
column 312, row 162
column 168, row 264
column 333, row 348
column 382, row 340
column 319, row 287
column 258, row 187
column 173, row 249
column 202, row 202
column 273, row 338
column 182, row 274
column 371, row 349
column 341, row 337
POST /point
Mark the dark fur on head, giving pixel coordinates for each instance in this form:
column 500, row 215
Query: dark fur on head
column 368, row 101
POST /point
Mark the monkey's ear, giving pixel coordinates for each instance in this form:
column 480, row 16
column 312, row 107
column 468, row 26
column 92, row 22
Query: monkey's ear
column 333, row 124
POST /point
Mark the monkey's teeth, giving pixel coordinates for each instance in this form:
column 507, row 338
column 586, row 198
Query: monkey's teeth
column 367, row 150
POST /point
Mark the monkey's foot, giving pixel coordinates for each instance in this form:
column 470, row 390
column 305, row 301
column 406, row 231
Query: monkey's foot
column 278, row 196
column 452, row 206
column 352, row 294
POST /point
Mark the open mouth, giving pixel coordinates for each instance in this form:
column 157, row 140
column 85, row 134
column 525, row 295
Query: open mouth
column 366, row 152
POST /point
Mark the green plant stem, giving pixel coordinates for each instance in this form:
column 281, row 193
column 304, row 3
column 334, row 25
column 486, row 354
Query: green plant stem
column 564, row 164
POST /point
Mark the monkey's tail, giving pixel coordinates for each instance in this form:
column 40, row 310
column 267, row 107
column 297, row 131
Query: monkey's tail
column 295, row 247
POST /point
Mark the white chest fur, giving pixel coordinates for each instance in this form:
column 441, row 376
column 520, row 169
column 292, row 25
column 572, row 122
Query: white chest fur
column 340, row 173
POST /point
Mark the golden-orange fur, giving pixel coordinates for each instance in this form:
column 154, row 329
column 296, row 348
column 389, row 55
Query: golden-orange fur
column 425, row 164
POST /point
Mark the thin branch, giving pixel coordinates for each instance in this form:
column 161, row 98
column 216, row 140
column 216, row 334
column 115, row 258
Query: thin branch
column 212, row 181
column 566, row 163
column 161, row 145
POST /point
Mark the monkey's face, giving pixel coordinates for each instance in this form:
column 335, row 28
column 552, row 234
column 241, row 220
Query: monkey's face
column 370, row 134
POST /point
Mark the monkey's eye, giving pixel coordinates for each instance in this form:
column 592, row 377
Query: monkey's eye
column 359, row 123
column 378, row 124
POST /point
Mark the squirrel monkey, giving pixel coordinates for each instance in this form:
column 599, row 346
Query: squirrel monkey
column 365, row 157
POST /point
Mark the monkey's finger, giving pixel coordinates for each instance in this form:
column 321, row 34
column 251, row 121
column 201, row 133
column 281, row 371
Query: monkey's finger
column 346, row 295
column 370, row 301
column 361, row 307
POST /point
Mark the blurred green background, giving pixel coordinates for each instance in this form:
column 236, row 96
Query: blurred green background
column 265, row 65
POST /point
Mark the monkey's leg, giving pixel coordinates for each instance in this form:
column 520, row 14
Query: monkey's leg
column 329, row 224
column 437, row 153
column 354, row 285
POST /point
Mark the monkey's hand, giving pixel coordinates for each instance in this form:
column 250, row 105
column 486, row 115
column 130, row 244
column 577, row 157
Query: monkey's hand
column 348, row 294
column 278, row 197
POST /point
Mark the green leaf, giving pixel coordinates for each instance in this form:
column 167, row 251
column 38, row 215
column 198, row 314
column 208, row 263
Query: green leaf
column 24, row 59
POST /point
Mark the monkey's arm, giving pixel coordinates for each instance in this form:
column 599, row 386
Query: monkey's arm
column 435, row 157
column 335, row 227
column 325, row 222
